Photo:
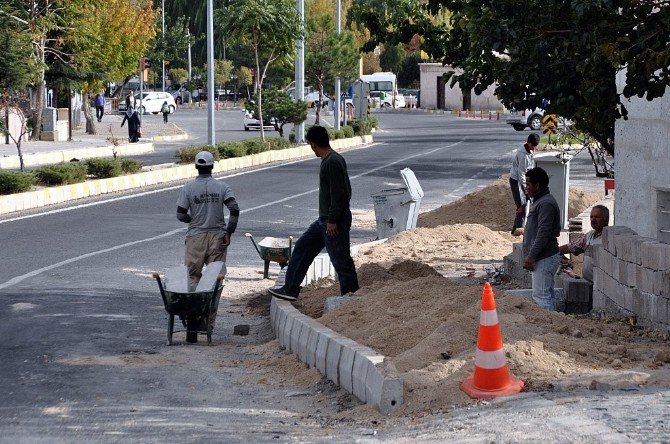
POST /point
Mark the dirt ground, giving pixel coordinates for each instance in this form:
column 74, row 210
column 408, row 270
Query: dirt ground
column 420, row 306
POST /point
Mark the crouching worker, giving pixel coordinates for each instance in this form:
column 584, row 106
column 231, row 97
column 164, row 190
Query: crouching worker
column 200, row 205
column 331, row 229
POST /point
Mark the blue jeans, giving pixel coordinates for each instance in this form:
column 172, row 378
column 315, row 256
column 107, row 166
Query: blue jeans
column 310, row 245
column 543, row 282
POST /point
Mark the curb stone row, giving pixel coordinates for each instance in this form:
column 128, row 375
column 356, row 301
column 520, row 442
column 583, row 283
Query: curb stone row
column 54, row 195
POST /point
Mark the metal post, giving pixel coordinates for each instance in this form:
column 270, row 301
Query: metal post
column 338, row 95
column 300, row 73
column 163, row 19
column 211, row 139
column 141, row 88
column 188, row 33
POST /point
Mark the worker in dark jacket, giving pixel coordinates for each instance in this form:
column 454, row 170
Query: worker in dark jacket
column 331, row 229
column 540, row 244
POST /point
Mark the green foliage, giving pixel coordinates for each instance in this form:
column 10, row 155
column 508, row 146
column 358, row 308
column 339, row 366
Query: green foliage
column 187, row 155
column 245, row 147
column 12, row 182
column 348, row 131
column 172, row 45
column 362, row 127
column 103, row 168
column 17, row 68
column 566, row 52
column 280, row 107
column 61, row 174
column 130, row 166
column 373, row 121
column 178, row 75
column 391, row 59
column 410, row 75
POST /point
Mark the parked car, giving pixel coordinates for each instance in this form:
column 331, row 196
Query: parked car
column 527, row 119
column 410, row 96
column 152, row 102
column 179, row 93
column 252, row 123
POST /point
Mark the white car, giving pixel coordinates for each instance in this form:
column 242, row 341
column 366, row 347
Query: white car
column 152, row 102
column 251, row 123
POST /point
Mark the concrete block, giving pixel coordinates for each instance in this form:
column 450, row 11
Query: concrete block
column 321, row 351
column 384, row 392
column 655, row 255
column 364, row 358
column 333, row 360
column 628, row 247
column 295, row 334
column 346, row 366
column 274, row 316
column 638, row 303
column 303, row 340
column 312, row 343
column 645, row 279
column 609, row 233
column 628, row 298
column 578, row 296
column 286, row 332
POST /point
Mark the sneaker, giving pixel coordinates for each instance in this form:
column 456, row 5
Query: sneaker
column 518, row 232
column 280, row 292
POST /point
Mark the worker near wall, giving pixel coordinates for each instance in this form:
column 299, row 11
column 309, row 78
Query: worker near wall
column 331, row 229
column 600, row 218
column 201, row 205
column 540, row 244
column 522, row 162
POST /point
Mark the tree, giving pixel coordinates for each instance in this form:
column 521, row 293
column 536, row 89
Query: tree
column 281, row 109
column 392, row 57
column 329, row 55
column 173, row 45
column 410, row 75
column 16, row 74
column 270, row 28
column 568, row 53
column 245, row 78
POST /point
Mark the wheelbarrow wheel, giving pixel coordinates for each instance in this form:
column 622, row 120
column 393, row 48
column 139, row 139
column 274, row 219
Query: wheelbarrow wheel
column 192, row 330
column 170, row 329
column 266, row 270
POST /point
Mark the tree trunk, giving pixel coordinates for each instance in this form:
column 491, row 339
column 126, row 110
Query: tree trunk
column 86, row 109
column 39, row 106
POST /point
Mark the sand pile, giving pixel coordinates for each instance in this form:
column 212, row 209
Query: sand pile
column 427, row 327
column 493, row 207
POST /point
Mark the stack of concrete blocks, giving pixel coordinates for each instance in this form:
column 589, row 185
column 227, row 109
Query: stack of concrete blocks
column 513, row 264
column 632, row 277
column 354, row 367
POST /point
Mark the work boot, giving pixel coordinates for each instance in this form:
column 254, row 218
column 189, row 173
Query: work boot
column 281, row 293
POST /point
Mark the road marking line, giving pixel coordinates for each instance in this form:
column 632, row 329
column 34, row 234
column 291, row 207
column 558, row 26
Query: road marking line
column 15, row 280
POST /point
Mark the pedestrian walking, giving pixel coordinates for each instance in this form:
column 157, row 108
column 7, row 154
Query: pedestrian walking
column 540, row 244
column 99, row 103
column 134, row 124
column 522, row 162
column 331, row 229
column 165, row 109
column 200, row 205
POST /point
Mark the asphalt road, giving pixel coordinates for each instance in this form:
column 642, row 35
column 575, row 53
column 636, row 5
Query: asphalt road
column 83, row 328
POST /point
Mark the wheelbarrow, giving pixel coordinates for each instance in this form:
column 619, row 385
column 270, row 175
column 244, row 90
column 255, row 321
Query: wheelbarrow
column 273, row 249
column 196, row 309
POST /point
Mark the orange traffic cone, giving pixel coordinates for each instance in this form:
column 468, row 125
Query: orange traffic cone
column 491, row 378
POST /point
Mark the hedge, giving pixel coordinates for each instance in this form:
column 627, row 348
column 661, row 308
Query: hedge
column 103, row 168
column 13, row 182
column 61, row 174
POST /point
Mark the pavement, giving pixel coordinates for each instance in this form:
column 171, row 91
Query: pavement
column 109, row 134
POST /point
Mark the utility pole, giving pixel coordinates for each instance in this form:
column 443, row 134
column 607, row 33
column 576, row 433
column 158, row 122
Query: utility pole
column 211, row 139
column 188, row 33
column 300, row 73
column 163, row 19
column 338, row 96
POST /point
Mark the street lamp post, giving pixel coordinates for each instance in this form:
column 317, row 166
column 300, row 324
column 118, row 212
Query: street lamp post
column 163, row 21
column 300, row 72
column 338, row 98
column 211, row 139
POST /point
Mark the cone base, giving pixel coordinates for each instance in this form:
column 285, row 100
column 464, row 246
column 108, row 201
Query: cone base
column 468, row 386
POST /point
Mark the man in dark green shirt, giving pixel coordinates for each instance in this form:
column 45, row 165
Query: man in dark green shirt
column 331, row 229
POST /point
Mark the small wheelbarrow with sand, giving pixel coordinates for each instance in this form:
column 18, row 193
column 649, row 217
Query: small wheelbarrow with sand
column 196, row 307
column 273, row 249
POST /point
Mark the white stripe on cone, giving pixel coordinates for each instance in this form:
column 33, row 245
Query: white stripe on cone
column 490, row 360
column 488, row 318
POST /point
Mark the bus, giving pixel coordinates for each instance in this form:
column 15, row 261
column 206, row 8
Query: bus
column 384, row 86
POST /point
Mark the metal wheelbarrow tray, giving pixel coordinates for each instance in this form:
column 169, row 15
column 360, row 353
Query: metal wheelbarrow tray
column 273, row 249
column 197, row 309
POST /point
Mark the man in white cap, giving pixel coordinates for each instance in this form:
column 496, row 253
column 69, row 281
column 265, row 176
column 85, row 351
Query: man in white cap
column 201, row 205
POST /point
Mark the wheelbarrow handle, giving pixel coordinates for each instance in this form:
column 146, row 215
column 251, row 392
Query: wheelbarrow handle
column 161, row 288
column 253, row 242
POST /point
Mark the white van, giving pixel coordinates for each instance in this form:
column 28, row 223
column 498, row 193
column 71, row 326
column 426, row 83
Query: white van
column 383, row 85
column 152, row 102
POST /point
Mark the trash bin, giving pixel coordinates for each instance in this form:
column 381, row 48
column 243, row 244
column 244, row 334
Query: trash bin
column 557, row 166
column 397, row 209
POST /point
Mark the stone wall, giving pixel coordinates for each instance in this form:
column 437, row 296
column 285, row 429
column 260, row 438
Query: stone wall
column 632, row 277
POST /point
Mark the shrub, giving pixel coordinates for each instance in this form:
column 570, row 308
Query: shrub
column 331, row 133
column 278, row 143
column 255, row 146
column 12, row 182
column 187, row 155
column 61, row 174
column 231, row 149
column 130, row 166
column 348, row 131
column 103, row 168
column 373, row 121
column 339, row 134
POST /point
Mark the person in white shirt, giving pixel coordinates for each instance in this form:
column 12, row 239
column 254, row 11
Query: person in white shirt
column 522, row 162
column 600, row 218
